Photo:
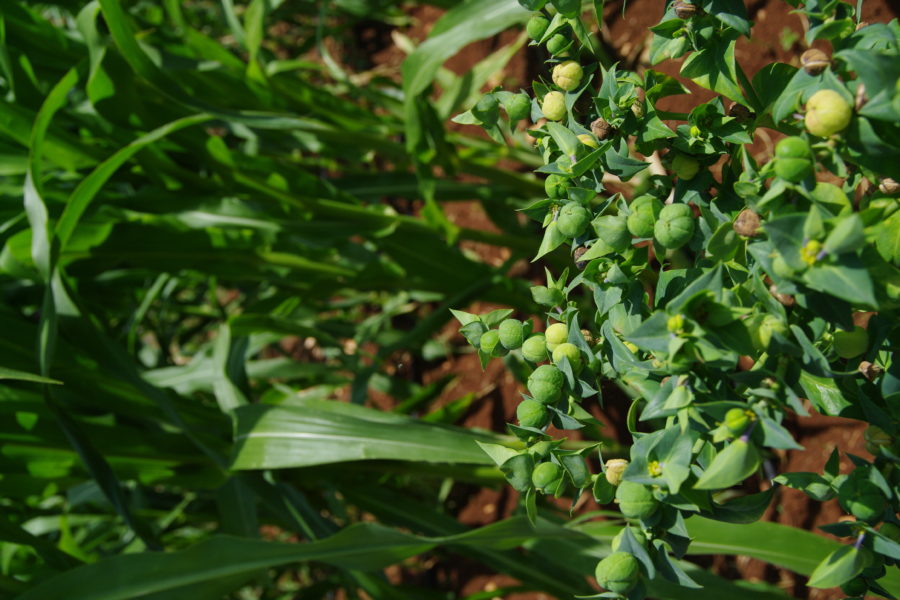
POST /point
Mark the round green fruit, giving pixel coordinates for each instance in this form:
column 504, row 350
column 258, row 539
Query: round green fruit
column 518, row 107
column 558, row 44
column 556, row 334
column 675, row 226
column 532, row 413
column 512, row 333
column 850, row 344
column 534, row 349
column 545, row 475
column 794, row 170
column 827, row 113
column 487, row 110
column 555, row 186
column 793, row 147
column 685, row 167
column 567, row 75
column 572, row 219
column 545, row 384
column 644, row 213
column 737, row 420
column 619, row 572
column 636, row 501
column 613, row 230
column 537, row 27
column 490, row 343
column 571, row 352
column 554, row 106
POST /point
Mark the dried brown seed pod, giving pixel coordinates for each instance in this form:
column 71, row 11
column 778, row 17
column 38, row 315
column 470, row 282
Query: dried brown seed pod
column 578, row 253
column 869, row 370
column 602, row 129
column 861, row 97
column 889, row 186
column 785, row 299
column 739, row 112
column 814, row 61
column 747, row 223
column 685, row 10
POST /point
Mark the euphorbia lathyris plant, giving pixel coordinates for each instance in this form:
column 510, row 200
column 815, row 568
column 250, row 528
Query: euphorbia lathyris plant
column 721, row 293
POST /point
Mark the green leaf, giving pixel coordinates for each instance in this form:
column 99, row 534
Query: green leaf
column 839, row 567
column 714, row 68
column 732, row 465
column 277, row 437
column 6, row 373
column 846, row 279
column 887, row 238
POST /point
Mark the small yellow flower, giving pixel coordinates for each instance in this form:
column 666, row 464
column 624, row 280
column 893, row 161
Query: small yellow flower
column 654, row 468
column 810, row 251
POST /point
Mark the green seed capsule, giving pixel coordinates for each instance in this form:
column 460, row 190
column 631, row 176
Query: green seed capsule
column 850, row 344
column 636, row 501
column 534, row 349
column 558, row 44
column 567, row 75
column 512, row 332
column 555, row 186
column 537, row 27
column 794, row 170
column 827, row 113
column 737, row 420
column 554, row 106
column 545, row 384
column 685, row 167
column 644, row 213
column 545, row 475
column 571, row 352
column 488, row 109
column 490, row 344
column 518, row 107
column 532, row 413
column 572, row 219
column 556, row 334
column 675, row 226
column 619, row 572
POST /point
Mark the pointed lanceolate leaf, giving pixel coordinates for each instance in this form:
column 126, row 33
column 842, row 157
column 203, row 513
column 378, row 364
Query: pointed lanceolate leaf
column 840, row 566
column 732, row 465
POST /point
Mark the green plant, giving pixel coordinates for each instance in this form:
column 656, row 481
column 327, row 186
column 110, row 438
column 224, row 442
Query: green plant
column 744, row 302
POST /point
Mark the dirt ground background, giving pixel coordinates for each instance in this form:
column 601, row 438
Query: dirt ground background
column 777, row 36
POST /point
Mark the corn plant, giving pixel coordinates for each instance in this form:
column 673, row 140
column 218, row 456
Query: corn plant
column 723, row 294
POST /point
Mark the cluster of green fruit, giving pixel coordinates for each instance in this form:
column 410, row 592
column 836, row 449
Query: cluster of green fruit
column 720, row 304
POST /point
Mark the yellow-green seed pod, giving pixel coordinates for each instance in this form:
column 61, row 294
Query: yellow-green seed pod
column 554, row 106
column 567, row 75
column 827, row 113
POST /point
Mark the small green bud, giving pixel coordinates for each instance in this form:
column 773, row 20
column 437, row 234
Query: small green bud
column 558, row 44
column 675, row 324
column 737, row 420
column 615, row 467
column 555, row 186
column 490, row 344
